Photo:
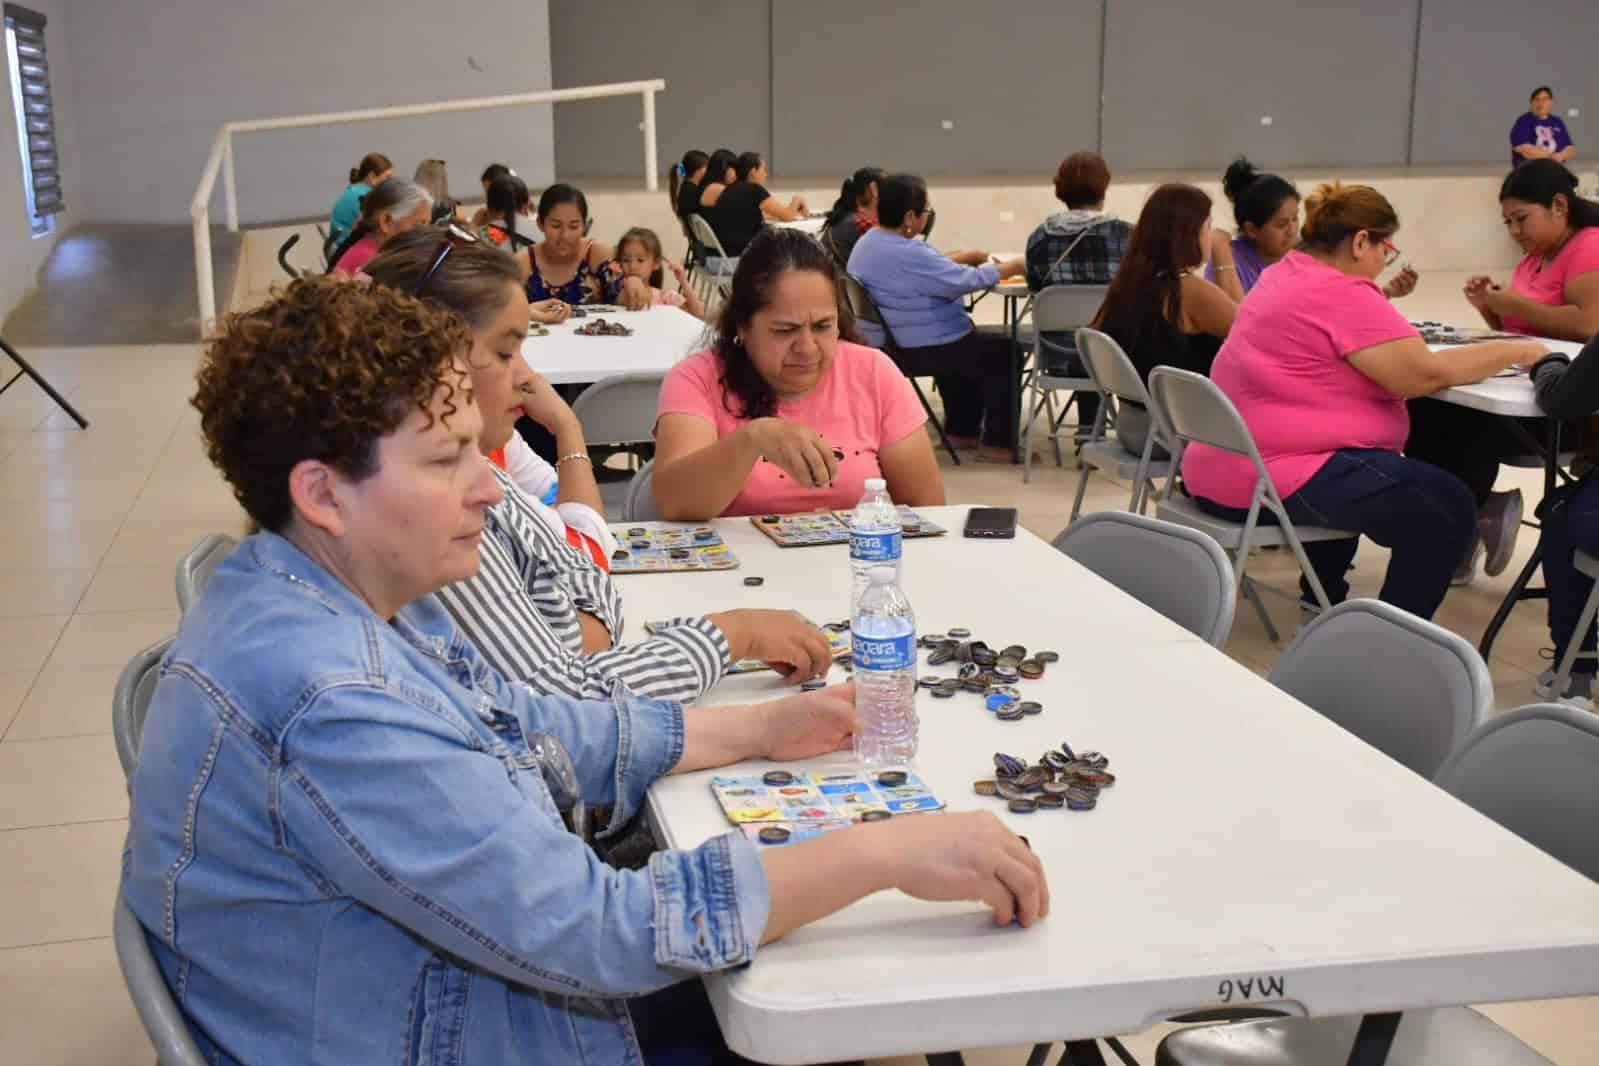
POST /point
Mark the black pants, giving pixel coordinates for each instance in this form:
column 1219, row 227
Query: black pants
column 974, row 379
column 1469, row 444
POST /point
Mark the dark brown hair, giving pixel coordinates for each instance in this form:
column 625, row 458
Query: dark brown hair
column 1082, row 179
column 322, row 371
column 1539, row 181
column 470, row 281
column 1335, row 212
column 652, row 247
column 774, row 252
column 1143, row 308
column 371, row 165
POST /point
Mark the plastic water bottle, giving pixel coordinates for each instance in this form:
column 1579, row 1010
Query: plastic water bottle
column 883, row 648
column 874, row 537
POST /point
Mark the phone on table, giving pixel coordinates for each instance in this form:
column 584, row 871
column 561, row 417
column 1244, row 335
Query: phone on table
column 991, row 522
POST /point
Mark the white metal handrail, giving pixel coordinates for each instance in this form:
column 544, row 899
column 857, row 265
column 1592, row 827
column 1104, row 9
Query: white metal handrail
column 221, row 157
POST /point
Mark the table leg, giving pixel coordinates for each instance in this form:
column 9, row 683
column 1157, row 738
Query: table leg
column 1375, row 1037
column 1081, row 1053
column 945, row 1058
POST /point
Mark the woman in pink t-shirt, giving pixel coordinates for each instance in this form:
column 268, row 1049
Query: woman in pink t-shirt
column 1319, row 364
column 393, row 207
column 782, row 415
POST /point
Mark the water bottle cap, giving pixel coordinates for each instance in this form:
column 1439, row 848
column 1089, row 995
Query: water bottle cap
column 882, row 575
column 876, row 484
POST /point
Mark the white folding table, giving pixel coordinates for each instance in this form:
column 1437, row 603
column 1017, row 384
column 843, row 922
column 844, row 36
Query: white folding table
column 661, row 336
column 811, row 224
column 1251, row 852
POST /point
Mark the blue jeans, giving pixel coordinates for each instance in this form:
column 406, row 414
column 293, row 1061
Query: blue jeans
column 1570, row 523
column 1425, row 516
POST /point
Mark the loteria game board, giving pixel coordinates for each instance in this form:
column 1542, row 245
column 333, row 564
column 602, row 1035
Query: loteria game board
column 832, row 527
column 663, row 547
column 808, row 804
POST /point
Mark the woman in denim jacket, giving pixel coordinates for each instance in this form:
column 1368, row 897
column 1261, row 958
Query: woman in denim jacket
column 346, row 841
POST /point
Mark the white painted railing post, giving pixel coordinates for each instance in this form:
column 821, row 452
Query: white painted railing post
column 651, row 166
column 204, row 276
column 230, row 187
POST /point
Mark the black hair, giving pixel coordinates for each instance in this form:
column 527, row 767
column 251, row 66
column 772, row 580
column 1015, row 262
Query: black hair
column 897, row 196
column 693, row 159
column 853, row 191
column 1541, row 89
column 508, row 197
column 774, row 251
column 1255, row 196
column 562, row 193
column 722, row 160
column 747, row 162
column 1539, row 181
column 652, row 245
column 492, row 171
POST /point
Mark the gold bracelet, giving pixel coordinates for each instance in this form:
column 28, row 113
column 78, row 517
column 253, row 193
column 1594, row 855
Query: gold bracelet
column 1224, row 266
column 574, row 457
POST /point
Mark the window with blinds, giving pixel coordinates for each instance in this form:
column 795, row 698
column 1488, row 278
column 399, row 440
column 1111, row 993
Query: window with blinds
column 36, row 127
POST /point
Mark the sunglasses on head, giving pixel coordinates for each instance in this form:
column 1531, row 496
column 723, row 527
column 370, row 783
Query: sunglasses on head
column 453, row 235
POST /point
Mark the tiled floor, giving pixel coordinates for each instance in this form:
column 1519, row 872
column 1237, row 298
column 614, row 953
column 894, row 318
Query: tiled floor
column 91, row 524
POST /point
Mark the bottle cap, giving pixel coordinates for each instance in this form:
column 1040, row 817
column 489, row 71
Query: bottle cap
column 876, row 484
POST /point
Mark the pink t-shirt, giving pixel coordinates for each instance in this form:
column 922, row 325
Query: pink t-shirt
column 359, row 255
column 861, row 405
column 1548, row 286
column 1285, row 367
column 668, row 297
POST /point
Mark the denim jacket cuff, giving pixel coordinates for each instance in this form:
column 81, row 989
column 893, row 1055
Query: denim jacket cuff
column 649, row 742
column 711, row 905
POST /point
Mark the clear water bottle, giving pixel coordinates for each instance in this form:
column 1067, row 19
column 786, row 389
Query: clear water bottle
column 874, row 537
column 883, row 648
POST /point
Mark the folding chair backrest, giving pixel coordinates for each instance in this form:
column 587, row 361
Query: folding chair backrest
column 620, row 409
column 640, row 505
column 1180, row 572
column 163, row 1019
column 1407, row 687
column 1110, row 367
column 197, row 566
column 1535, row 771
column 1066, row 308
column 1193, row 408
column 861, row 304
column 706, row 236
column 130, row 701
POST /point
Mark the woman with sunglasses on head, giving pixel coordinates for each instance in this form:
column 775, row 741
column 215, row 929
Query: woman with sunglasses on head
column 542, row 609
column 355, row 853
column 1319, row 363
column 566, row 265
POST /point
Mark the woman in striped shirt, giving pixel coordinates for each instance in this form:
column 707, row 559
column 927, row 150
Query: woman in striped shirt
column 541, row 610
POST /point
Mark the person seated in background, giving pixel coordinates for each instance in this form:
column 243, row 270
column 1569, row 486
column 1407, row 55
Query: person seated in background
column 393, row 207
column 1319, row 364
column 784, row 414
column 508, row 200
column 683, row 184
column 1540, row 133
column 639, row 255
column 1082, row 245
column 1568, row 389
column 395, row 873
column 918, row 292
column 1159, row 308
column 854, row 213
column 1266, row 209
column 433, row 175
column 1553, row 292
column 566, row 265
column 542, row 609
column 491, row 173
column 721, row 170
column 742, row 208
column 373, row 169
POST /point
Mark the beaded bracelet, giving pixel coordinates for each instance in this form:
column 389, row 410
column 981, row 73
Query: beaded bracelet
column 574, row 456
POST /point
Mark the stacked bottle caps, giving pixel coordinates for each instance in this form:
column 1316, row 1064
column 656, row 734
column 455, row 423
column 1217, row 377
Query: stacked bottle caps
column 1060, row 779
column 985, row 672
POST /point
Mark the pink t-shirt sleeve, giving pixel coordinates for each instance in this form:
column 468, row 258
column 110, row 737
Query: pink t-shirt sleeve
column 1363, row 317
column 1584, row 253
column 900, row 410
column 692, row 388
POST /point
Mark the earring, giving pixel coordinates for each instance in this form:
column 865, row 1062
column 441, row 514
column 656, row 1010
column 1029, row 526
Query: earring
column 738, row 341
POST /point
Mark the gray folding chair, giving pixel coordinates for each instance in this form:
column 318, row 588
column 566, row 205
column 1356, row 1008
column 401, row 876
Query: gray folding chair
column 719, row 266
column 1588, row 566
column 1178, row 571
column 130, row 701
column 197, row 566
column 1409, row 688
column 1188, row 407
column 864, row 308
column 163, row 1019
column 1535, row 771
column 640, row 505
column 620, row 409
column 1056, row 309
column 1114, row 375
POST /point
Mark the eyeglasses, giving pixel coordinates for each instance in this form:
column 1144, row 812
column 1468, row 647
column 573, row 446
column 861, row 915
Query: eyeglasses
column 453, row 235
column 1390, row 252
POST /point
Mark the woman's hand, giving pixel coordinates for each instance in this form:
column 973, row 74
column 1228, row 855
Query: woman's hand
column 797, row 450
column 970, row 257
column 1013, row 268
column 677, row 272
column 967, row 855
column 1401, row 284
column 797, row 204
column 544, row 405
column 550, row 311
column 808, row 724
column 635, row 294
column 784, row 640
column 1477, row 289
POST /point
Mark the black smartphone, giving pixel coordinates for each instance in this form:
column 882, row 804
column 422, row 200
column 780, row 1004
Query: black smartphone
column 999, row 522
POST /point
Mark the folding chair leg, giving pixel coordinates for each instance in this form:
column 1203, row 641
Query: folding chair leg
column 1054, row 424
column 1574, row 645
column 38, row 379
column 1252, row 594
column 937, row 422
column 1027, row 439
column 1082, row 490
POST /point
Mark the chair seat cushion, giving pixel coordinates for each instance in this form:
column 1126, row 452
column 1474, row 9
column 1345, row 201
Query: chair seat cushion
column 1452, row 1036
column 1110, row 456
column 1183, row 511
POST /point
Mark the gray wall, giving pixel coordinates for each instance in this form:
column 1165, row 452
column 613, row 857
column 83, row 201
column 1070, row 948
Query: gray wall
column 159, row 78
column 829, row 85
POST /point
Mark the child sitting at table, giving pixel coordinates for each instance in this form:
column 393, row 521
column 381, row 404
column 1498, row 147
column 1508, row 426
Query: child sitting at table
column 639, row 255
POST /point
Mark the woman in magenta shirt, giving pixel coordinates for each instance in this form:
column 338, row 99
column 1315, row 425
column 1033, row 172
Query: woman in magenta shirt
column 781, row 414
column 1319, row 364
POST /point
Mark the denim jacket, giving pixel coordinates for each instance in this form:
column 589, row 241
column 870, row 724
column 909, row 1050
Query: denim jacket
column 344, row 852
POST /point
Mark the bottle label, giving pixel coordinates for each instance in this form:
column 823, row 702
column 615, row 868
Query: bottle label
column 882, row 653
column 875, row 547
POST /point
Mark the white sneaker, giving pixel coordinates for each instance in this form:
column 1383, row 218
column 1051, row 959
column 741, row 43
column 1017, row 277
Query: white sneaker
column 1497, row 524
column 1579, row 690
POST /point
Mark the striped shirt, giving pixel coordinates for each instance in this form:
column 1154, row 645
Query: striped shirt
column 521, row 610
